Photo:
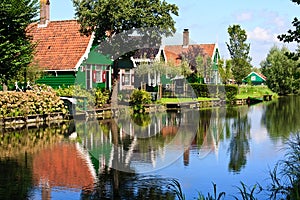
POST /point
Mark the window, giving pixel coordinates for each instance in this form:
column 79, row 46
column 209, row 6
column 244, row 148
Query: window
column 253, row 78
column 127, row 77
column 99, row 73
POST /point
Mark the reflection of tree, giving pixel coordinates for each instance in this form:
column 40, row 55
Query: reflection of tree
column 239, row 145
column 282, row 117
column 15, row 178
column 204, row 124
column 17, row 142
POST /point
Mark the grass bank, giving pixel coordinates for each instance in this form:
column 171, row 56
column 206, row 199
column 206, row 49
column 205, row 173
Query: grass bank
column 246, row 91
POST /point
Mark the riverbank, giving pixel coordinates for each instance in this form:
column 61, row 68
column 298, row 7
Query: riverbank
column 18, row 109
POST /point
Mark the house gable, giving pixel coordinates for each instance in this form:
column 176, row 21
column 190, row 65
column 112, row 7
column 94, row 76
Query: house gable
column 255, row 78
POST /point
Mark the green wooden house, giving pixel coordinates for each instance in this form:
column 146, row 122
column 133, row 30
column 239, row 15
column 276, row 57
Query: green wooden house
column 95, row 71
column 65, row 55
column 255, row 79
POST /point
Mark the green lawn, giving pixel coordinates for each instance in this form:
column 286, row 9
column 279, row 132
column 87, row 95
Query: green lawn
column 245, row 92
column 180, row 100
column 253, row 91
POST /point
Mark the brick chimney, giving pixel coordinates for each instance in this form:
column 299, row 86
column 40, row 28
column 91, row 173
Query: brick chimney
column 44, row 12
column 186, row 37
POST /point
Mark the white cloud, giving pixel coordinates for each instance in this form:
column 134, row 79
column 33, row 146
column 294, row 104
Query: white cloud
column 245, row 16
column 263, row 35
column 279, row 22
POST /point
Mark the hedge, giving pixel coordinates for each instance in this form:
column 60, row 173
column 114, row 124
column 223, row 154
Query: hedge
column 215, row 91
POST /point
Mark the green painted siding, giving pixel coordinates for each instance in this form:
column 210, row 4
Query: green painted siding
column 81, row 77
column 165, row 80
column 61, row 79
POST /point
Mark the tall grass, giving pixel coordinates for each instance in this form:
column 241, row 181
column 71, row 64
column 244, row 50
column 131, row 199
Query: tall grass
column 286, row 174
column 285, row 180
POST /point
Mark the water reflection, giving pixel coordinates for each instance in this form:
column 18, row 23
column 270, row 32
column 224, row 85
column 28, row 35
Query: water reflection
column 137, row 156
column 16, row 158
column 153, row 142
column 239, row 144
column 15, row 178
column 63, row 165
column 281, row 117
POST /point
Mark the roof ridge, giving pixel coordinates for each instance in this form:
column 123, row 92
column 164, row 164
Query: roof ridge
column 64, row 20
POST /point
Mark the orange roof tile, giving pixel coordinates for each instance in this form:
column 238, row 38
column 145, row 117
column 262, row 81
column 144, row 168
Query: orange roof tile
column 173, row 52
column 60, row 46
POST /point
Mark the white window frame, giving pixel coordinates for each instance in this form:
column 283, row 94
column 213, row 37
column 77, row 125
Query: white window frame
column 99, row 72
column 89, row 76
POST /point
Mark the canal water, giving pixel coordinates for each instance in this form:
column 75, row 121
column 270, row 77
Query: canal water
column 144, row 156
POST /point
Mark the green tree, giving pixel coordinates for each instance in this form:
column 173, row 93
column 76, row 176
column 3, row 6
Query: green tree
column 224, row 69
column 239, row 52
column 293, row 36
column 107, row 18
column 281, row 72
column 16, row 49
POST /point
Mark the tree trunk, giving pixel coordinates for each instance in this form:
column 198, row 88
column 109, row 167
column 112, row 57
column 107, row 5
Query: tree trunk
column 4, row 86
column 114, row 95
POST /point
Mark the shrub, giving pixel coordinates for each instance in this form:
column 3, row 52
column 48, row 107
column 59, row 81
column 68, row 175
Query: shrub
column 138, row 100
column 231, row 92
column 37, row 101
column 201, row 90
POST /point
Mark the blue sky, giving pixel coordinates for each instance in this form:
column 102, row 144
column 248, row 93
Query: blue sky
column 208, row 21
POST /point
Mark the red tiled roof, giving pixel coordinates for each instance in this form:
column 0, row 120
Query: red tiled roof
column 262, row 76
column 60, row 45
column 173, row 52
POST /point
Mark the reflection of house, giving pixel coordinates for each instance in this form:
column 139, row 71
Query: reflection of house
column 174, row 54
column 255, row 78
column 61, row 50
column 63, row 165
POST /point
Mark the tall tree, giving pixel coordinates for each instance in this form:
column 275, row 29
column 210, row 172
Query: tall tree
column 293, row 35
column 281, row 72
column 224, row 68
column 16, row 50
column 239, row 52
